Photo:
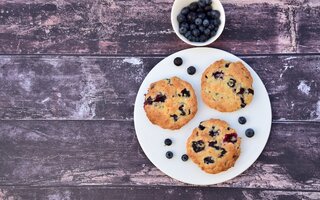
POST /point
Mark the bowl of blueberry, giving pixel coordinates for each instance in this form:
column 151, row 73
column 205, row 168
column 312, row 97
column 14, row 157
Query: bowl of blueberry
column 198, row 23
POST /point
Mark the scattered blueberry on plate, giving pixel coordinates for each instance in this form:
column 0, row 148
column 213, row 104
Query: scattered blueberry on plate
column 184, row 157
column 198, row 22
column 169, row 154
column 178, row 61
column 249, row 132
column 191, row 70
column 167, row 142
column 242, row 120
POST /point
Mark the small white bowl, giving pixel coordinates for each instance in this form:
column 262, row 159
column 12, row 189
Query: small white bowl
column 176, row 9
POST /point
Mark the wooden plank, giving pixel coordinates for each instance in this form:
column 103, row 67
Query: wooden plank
column 51, row 87
column 308, row 29
column 157, row 193
column 48, row 153
column 138, row 27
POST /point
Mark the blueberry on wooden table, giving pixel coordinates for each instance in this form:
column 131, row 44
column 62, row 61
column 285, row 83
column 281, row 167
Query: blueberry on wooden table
column 249, row 132
column 178, row 61
column 191, row 70
column 169, row 154
column 184, row 157
column 242, row 120
column 167, row 142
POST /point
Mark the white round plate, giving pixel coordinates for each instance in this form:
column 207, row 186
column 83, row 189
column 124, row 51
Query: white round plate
column 151, row 137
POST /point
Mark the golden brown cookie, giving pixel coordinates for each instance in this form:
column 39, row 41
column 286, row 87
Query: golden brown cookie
column 226, row 86
column 214, row 146
column 170, row 103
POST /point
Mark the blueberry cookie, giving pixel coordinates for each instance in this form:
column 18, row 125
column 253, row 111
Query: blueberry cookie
column 170, row 103
column 214, row 146
column 226, row 86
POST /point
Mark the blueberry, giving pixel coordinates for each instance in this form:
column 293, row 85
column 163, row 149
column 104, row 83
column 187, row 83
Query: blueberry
column 183, row 30
column 160, row 98
column 198, row 146
column 174, row 117
column 184, row 24
column 201, row 15
column 182, row 112
column 191, row 16
column 187, row 34
column 193, row 26
column 211, row 27
column 178, row 61
column 216, row 28
column 243, row 104
column 167, row 142
column 201, row 28
column 202, row 3
column 148, row 101
column 208, row 2
column 181, row 18
column 208, row 8
column 249, row 132
column 241, row 91
column 205, row 22
column 231, row 82
column 193, row 6
column 196, row 32
column 201, row 127
column 192, row 38
column 169, row 154
column 208, row 160
column 184, row 157
column 185, row 93
column 200, row 10
column 198, row 21
column 232, row 137
column 185, row 11
column 203, row 38
column 215, row 14
column 242, row 120
column 213, row 133
column 207, row 31
column 191, row 70
column 251, row 91
column 218, row 75
column 213, row 33
column 217, row 22
column 197, row 39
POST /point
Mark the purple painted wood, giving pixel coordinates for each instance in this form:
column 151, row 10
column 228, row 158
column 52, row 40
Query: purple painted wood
column 48, row 152
column 94, row 27
column 107, row 152
column 146, row 192
column 50, row 87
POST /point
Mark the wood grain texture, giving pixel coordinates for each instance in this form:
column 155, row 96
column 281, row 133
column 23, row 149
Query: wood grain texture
column 55, row 87
column 154, row 193
column 308, row 29
column 53, row 153
column 143, row 27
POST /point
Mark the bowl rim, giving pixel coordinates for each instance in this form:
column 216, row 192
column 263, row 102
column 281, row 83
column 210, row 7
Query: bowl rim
column 175, row 24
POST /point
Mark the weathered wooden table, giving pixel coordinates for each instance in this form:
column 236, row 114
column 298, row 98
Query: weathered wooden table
column 69, row 74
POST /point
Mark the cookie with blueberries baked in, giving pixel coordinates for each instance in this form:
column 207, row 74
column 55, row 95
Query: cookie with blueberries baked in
column 170, row 103
column 227, row 86
column 214, row 146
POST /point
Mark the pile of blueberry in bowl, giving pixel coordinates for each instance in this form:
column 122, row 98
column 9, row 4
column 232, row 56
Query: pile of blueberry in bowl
column 198, row 23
